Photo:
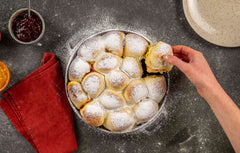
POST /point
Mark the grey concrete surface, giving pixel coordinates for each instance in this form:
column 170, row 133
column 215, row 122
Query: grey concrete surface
column 189, row 125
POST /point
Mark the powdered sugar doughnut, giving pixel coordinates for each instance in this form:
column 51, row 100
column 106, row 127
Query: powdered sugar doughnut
column 111, row 99
column 93, row 84
column 114, row 42
column 132, row 67
column 135, row 91
column 116, row 80
column 90, row 49
column 145, row 110
column 156, row 87
column 78, row 69
column 93, row 114
column 106, row 63
column 154, row 58
column 119, row 121
column 76, row 94
column 135, row 46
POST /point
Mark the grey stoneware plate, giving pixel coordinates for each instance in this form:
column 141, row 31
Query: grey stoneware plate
column 217, row 21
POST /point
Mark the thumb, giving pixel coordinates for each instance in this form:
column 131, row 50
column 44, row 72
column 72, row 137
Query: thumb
column 181, row 65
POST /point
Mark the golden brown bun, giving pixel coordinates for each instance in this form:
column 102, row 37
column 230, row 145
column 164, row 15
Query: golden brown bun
column 114, row 42
column 93, row 114
column 90, row 49
column 106, row 63
column 156, row 87
column 93, row 83
column 135, row 91
column 145, row 110
column 154, row 58
column 111, row 99
column 132, row 67
column 135, row 46
column 121, row 121
column 117, row 80
column 78, row 69
column 76, row 94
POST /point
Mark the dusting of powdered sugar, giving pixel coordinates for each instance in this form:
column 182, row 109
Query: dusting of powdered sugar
column 145, row 110
column 136, row 44
column 111, row 101
column 132, row 67
column 90, row 49
column 117, row 78
column 138, row 92
column 93, row 110
column 157, row 88
column 121, row 120
column 164, row 49
column 78, row 69
column 107, row 61
column 76, row 93
column 113, row 41
column 91, row 84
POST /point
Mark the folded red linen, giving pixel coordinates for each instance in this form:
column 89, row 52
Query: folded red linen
column 38, row 108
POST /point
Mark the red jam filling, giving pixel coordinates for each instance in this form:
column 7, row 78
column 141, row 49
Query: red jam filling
column 27, row 28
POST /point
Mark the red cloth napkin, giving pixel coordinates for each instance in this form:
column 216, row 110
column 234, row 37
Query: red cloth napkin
column 38, row 107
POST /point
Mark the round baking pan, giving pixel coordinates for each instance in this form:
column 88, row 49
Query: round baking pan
column 141, row 127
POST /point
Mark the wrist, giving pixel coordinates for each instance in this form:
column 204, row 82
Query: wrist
column 210, row 90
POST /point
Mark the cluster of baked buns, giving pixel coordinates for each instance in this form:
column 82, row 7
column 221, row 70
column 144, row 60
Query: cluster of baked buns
column 106, row 84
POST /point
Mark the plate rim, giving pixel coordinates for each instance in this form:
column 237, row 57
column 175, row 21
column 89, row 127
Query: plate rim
column 193, row 26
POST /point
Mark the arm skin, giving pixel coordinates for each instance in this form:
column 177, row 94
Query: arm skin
column 193, row 64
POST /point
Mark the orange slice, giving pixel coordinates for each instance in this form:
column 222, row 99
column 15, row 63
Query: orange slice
column 4, row 76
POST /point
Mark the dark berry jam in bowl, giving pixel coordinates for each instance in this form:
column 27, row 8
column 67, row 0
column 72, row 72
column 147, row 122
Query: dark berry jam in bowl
column 26, row 29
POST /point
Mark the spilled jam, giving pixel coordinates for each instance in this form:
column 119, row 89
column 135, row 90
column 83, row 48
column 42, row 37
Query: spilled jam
column 27, row 28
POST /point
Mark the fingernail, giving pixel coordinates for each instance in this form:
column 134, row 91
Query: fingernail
column 165, row 57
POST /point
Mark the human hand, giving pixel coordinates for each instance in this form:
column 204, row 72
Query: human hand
column 193, row 64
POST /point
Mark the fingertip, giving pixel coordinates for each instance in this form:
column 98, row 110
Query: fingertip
column 168, row 58
column 172, row 59
column 165, row 57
